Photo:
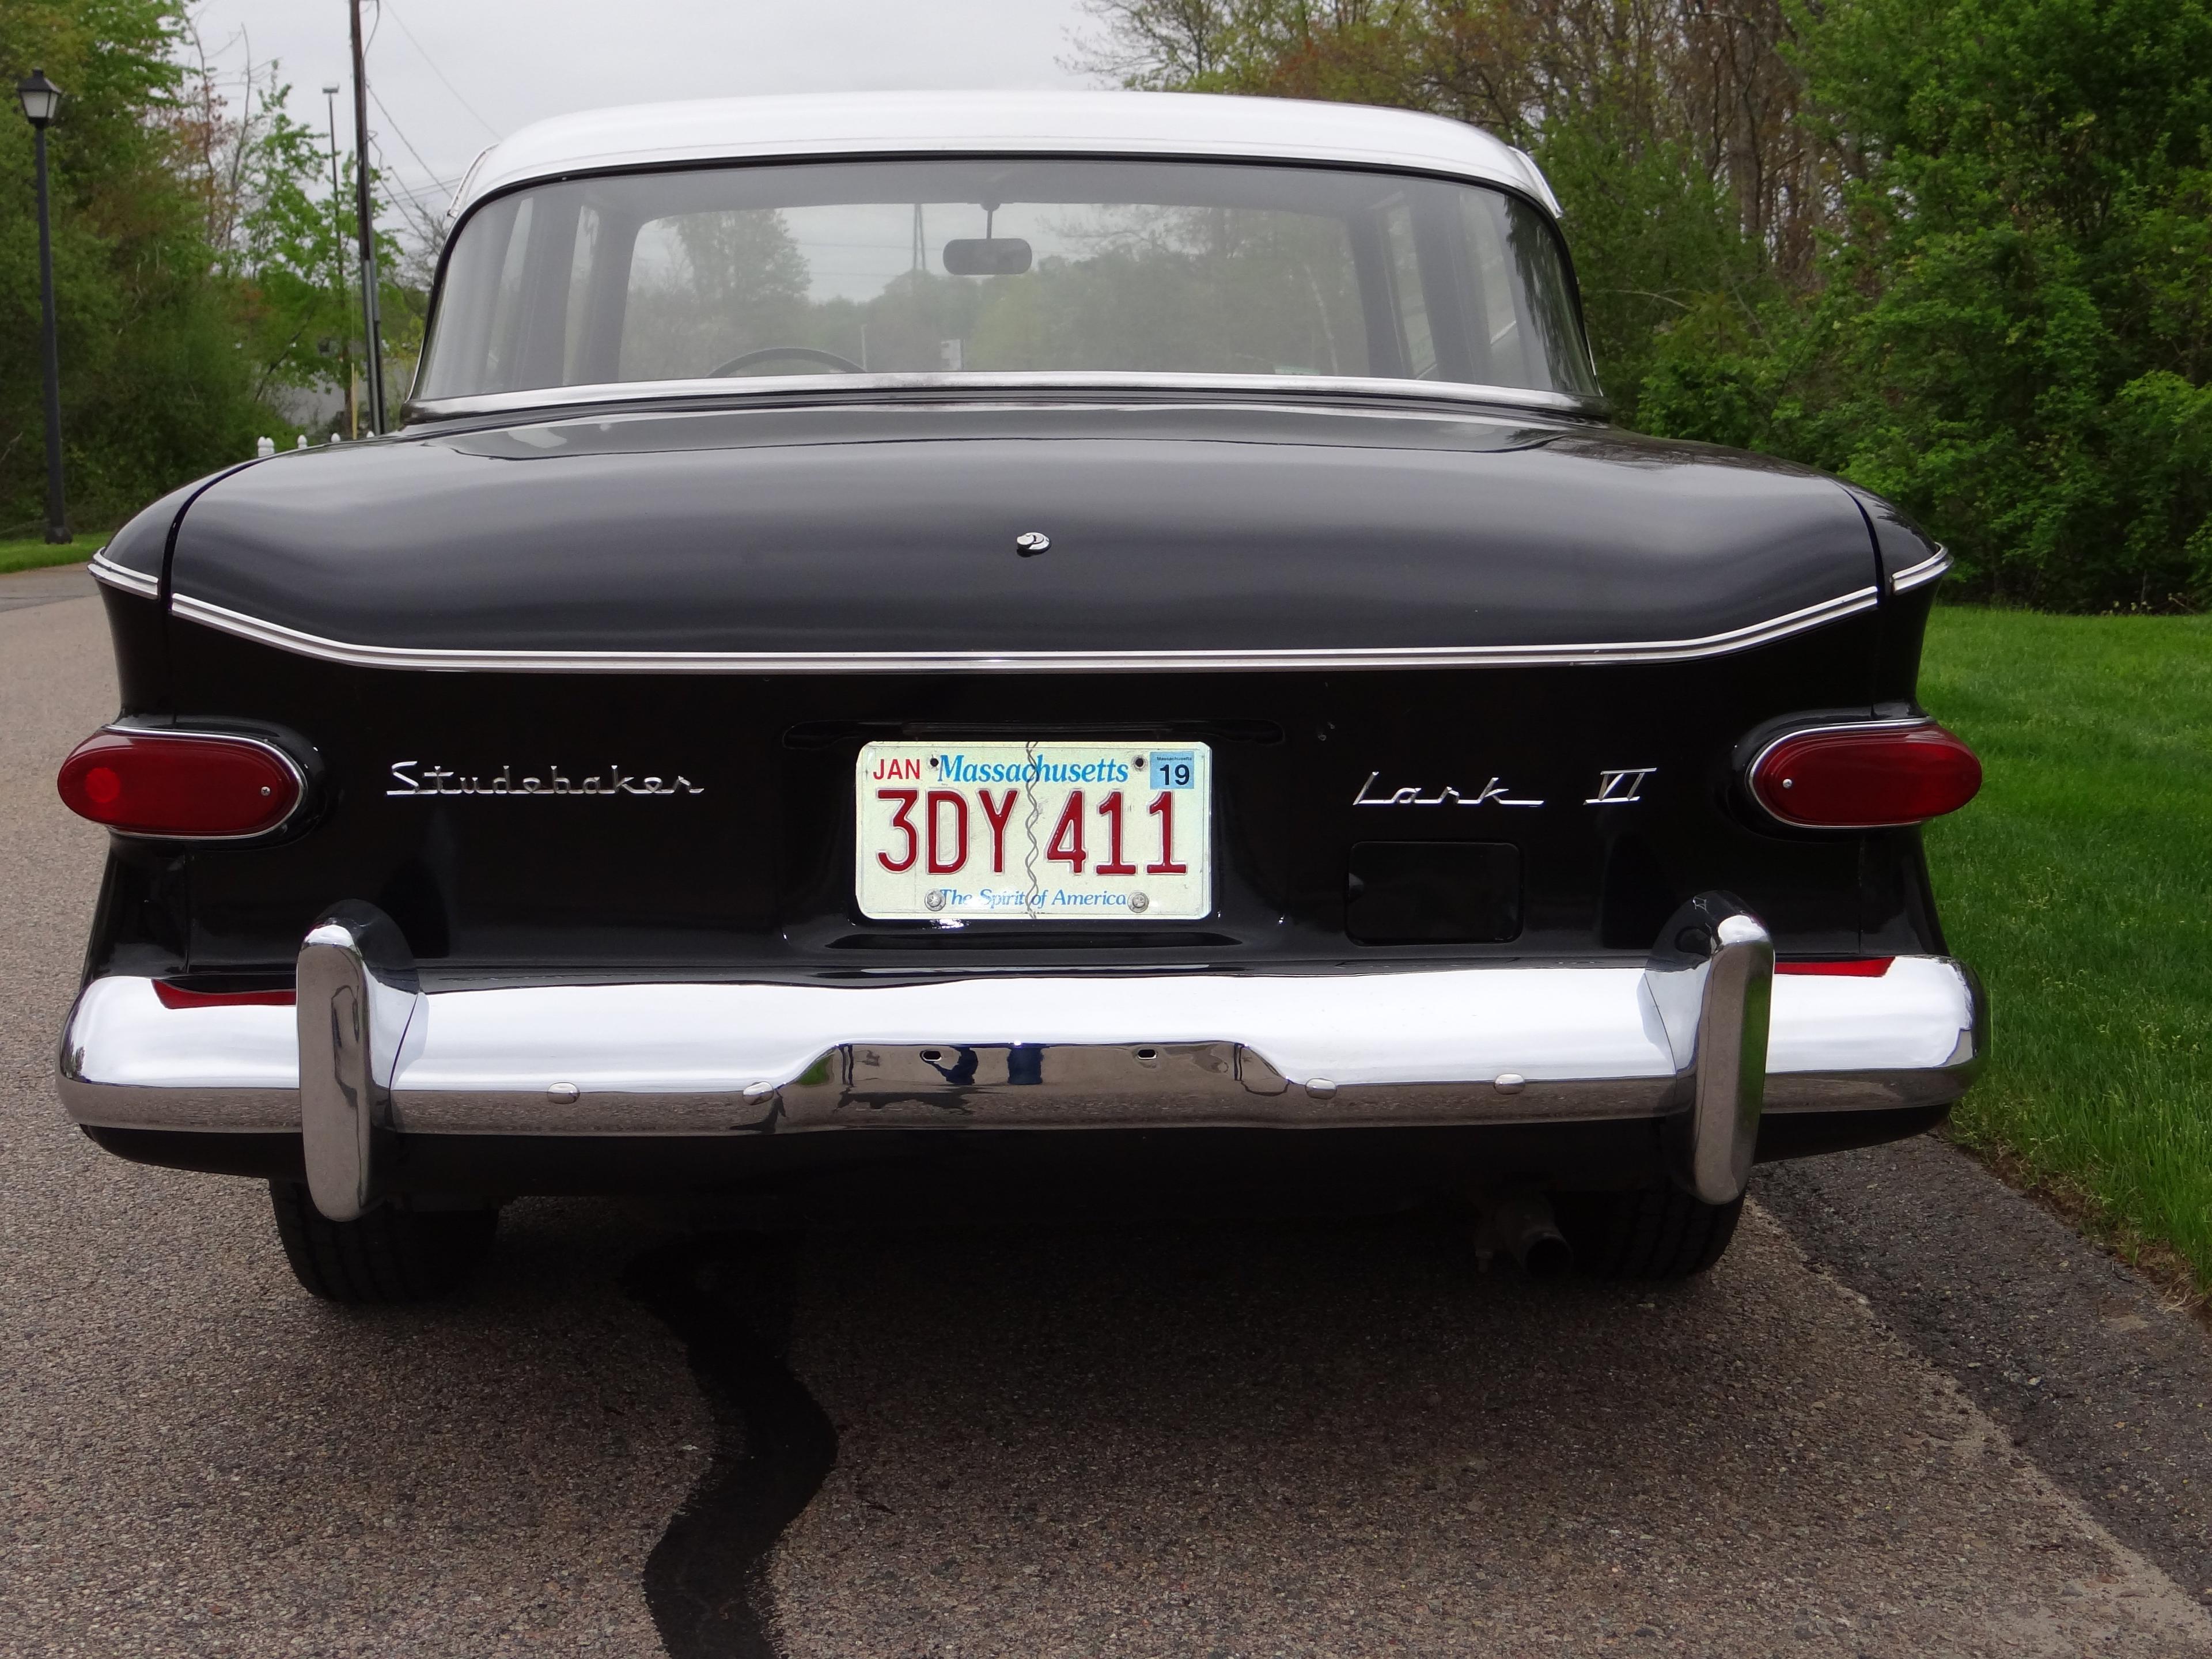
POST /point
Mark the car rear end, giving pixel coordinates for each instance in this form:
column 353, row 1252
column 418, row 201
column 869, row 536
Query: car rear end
column 1080, row 878
column 756, row 788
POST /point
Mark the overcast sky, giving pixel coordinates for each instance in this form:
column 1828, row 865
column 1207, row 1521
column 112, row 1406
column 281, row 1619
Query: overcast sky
column 453, row 75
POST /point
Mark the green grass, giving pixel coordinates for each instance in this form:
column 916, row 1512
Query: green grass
column 29, row 555
column 2079, row 882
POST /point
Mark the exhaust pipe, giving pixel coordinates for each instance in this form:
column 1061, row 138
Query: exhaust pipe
column 1521, row 1224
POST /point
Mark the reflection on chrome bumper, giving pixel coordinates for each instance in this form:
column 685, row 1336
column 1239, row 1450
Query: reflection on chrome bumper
column 1447, row 1046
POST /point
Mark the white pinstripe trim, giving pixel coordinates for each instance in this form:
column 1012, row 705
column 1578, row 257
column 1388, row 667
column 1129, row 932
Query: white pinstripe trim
column 1333, row 659
column 130, row 581
column 1919, row 575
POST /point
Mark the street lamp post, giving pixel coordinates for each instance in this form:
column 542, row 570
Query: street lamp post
column 41, row 97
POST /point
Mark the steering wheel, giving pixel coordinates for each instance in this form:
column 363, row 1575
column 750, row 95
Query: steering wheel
column 766, row 353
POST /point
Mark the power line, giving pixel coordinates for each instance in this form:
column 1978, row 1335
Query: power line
column 408, row 199
column 421, row 192
column 430, row 182
column 427, row 169
column 419, row 219
column 435, row 71
column 418, row 222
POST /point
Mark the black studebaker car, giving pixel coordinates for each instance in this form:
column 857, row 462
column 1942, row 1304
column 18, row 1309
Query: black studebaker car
column 1105, row 630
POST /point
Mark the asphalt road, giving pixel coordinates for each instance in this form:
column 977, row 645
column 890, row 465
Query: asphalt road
column 22, row 589
column 1231, row 1437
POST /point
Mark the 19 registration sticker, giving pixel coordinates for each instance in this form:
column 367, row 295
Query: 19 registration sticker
column 1033, row 831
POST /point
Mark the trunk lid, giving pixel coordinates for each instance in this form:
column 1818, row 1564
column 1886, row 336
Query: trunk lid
column 889, row 530
column 558, row 563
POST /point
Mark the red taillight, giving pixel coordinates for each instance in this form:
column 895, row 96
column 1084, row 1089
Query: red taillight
column 178, row 783
column 1865, row 777
column 1840, row 967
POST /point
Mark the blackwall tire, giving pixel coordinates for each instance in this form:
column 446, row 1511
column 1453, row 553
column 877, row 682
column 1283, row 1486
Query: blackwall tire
column 390, row 1255
column 1654, row 1233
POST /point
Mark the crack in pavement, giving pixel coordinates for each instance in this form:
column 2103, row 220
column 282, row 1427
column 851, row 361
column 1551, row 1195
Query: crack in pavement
column 728, row 1298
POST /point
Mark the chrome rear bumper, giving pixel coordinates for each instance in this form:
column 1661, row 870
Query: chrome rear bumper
column 1688, row 1038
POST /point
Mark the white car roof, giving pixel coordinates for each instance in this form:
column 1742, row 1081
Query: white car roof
column 1190, row 124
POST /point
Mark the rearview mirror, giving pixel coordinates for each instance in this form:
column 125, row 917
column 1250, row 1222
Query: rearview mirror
column 986, row 256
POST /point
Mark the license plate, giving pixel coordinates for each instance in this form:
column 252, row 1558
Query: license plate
column 1034, row 831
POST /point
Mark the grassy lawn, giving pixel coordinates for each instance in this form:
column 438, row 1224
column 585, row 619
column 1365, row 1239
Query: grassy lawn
column 2080, row 884
column 29, row 555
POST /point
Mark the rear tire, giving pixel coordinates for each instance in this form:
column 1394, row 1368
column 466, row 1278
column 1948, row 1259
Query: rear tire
column 1654, row 1233
column 390, row 1255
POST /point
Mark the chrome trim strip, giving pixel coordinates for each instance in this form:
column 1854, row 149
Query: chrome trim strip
column 1334, row 659
column 105, row 569
column 1510, row 1044
column 1107, row 403
column 958, row 385
column 1929, row 570
column 244, row 1111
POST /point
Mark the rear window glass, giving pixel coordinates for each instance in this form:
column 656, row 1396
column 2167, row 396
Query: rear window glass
column 1005, row 266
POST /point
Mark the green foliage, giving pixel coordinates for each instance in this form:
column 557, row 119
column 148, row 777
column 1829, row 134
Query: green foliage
column 2014, row 330
column 193, row 260
column 1958, row 250
column 152, row 390
column 291, row 253
column 2076, row 885
column 1660, row 250
column 1665, row 126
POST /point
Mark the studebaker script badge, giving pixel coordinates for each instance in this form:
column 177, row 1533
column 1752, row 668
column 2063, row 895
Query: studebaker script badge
column 418, row 779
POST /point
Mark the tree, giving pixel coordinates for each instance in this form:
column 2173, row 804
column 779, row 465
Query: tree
column 283, row 236
column 153, row 388
column 2012, row 336
column 281, row 250
column 1668, row 127
column 1958, row 250
column 192, row 253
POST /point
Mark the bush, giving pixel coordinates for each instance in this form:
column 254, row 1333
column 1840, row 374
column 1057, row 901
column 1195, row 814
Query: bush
column 2014, row 325
column 1959, row 250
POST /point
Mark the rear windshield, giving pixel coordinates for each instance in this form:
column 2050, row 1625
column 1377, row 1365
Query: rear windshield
column 1004, row 266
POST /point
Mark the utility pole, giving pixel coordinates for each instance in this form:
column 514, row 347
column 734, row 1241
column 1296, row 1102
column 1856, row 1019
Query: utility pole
column 338, row 267
column 372, row 340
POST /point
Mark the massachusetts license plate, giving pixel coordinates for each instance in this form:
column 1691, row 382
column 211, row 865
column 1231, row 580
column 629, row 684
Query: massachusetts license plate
column 1034, row 831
